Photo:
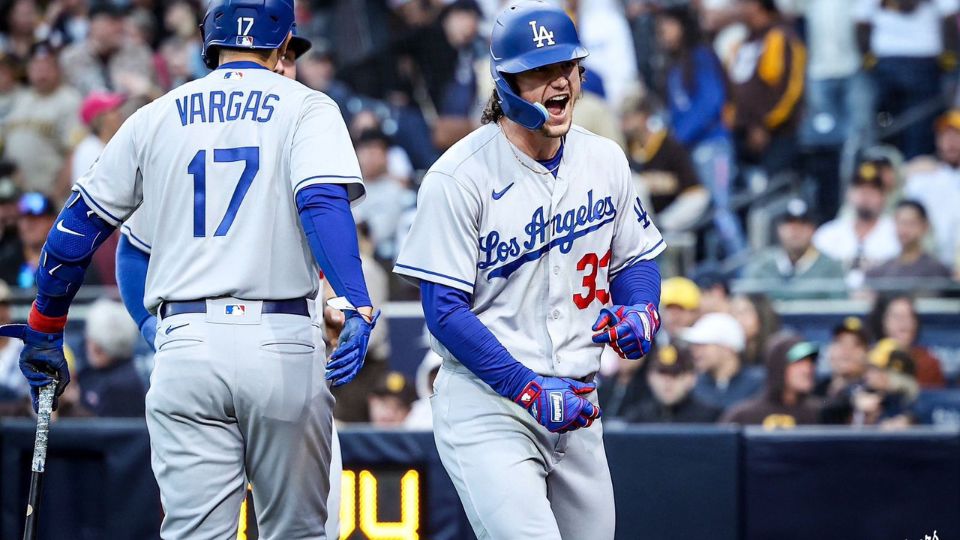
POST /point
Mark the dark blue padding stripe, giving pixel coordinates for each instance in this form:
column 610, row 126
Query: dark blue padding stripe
column 95, row 203
column 438, row 274
column 241, row 64
column 633, row 260
column 129, row 231
column 300, row 183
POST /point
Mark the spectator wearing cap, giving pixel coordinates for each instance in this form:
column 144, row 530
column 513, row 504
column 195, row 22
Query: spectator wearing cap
column 679, row 306
column 936, row 185
column 10, row 87
column 912, row 226
column 106, row 61
column 866, row 238
column 885, row 394
column 759, row 321
column 390, row 400
column 767, row 73
column 795, row 267
column 101, row 113
column 13, row 386
column 43, row 126
column 662, row 167
column 906, row 45
column 386, row 199
column 671, row 378
column 37, row 214
column 847, row 356
column 109, row 384
column 895, row 317
column 790, row 380
column 696, row 92
column 716, row 341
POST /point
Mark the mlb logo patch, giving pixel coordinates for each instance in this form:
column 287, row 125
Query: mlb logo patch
column 236, row 310
column 233, row 75
column 245, row 41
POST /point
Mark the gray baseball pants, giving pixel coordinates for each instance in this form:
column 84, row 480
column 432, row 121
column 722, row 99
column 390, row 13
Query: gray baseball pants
column 234, row 398
column 517, row 480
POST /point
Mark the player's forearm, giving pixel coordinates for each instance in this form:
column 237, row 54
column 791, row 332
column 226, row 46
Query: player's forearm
column 449, row 319
column 132, row 264
column 78, row 232
column 332, row 235
column 637, row 284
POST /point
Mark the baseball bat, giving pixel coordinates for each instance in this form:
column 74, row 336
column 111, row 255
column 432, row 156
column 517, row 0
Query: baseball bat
column 39, row 461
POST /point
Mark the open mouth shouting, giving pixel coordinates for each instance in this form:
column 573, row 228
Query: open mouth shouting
column 557, row 105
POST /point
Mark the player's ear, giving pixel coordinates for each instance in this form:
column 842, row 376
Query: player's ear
column 282, row 51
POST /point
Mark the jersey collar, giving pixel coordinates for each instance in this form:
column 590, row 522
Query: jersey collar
column 241, row 64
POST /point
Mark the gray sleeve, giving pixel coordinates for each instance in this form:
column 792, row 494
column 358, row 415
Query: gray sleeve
column 442, row 243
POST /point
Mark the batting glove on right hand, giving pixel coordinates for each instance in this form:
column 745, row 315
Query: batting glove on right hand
column 558, row 404
column 41, row 360
column 346, row 361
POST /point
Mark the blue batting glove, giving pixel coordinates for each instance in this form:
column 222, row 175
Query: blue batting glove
column 41, row 360
column 628, row 329
column 558, row 403
column 149, row 331
column 346, row 361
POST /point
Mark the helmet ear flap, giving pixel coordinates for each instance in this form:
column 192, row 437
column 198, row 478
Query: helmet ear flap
column 529, row 115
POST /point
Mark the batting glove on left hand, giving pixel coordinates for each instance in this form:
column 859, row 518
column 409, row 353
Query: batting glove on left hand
column 41, row 360
column 558, row 403
column 346, row 361
column 628, row 329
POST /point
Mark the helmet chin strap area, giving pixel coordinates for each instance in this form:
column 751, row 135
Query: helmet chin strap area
column 529, row 115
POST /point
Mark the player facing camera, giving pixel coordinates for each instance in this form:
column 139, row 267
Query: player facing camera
column 536, row 67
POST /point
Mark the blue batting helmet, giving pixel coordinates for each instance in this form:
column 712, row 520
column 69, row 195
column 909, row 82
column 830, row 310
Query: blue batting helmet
column 528, row 35
column 245, row 24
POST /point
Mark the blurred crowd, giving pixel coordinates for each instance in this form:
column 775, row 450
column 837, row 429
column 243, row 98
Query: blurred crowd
column 787, row 149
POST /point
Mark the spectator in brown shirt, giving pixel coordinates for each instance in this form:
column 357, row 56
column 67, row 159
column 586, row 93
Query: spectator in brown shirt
column 912, row 227
column 767, row 72
column 784, row 403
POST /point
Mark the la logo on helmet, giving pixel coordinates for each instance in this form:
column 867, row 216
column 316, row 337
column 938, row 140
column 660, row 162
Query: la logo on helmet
column 540, row 34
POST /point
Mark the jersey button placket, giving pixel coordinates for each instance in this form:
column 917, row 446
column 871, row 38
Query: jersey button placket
column 556, row 290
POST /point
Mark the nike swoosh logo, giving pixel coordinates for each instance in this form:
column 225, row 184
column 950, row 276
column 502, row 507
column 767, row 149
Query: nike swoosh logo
column 497, row 194
column 63, row 229
column 172, row 328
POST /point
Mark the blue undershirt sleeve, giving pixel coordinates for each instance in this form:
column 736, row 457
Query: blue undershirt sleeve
column 132, row 266
column 637, row 284
column 332, row 234
column 449, row 319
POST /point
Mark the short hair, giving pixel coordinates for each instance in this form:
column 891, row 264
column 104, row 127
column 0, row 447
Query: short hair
column 111, row 328
column 916, row 205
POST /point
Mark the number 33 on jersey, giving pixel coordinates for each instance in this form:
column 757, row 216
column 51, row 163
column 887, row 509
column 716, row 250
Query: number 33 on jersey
column 535, row 252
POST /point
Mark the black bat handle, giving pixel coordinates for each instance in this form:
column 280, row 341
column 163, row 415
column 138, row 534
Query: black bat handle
column 33, row 504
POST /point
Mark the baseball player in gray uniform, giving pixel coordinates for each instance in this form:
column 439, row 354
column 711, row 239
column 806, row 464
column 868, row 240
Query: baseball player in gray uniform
column 133, row 257
column 238, row 177
column 532, row 252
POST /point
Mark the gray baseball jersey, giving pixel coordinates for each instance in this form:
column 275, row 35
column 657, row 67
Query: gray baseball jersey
column 237, row 393
column 536, row 253
column 216, row 164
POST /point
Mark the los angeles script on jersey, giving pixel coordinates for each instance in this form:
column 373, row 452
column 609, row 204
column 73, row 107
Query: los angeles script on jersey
column 563, row 228
column 219, row 106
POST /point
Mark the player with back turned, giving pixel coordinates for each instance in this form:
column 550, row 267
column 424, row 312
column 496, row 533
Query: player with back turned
column 531, row 250
column 238, row 177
